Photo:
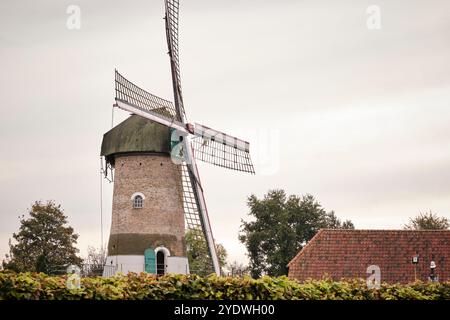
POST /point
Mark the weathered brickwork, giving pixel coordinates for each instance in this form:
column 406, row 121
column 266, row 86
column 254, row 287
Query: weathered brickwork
column 161, row 220
column 348, row 253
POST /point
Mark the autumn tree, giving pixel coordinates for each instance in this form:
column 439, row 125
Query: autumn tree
column 198, row 254
column 44, row 242
column 280, row 227
column 427, row 221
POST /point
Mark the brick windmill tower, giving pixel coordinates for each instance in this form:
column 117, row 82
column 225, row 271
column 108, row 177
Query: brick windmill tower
column 147, row 229
column 158, row 194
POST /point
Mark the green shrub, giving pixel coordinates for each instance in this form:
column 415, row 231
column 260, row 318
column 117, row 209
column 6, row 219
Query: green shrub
column 34, row 286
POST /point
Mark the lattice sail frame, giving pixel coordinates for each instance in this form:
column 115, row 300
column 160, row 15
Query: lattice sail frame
column 172, row 21
column 128, row 92
column 192, row 217
column 222, row 155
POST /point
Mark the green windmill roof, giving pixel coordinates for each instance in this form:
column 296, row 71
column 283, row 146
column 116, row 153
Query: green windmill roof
column 135, row 134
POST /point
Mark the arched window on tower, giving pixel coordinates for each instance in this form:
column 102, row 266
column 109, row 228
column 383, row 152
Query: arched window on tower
column 138, row 200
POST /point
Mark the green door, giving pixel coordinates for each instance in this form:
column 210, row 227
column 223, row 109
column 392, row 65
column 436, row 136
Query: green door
column 150, row 261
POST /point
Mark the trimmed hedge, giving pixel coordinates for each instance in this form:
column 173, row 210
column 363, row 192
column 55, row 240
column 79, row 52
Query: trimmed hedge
column 144, row 286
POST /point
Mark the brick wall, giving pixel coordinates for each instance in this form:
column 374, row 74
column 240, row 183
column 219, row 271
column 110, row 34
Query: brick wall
column 161, row 220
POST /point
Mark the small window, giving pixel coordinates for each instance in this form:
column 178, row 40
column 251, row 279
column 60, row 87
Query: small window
column 138, row 202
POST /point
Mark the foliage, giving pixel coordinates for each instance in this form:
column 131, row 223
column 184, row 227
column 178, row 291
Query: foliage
column 281, row 227
column 198, row 255
column 43, row 241
column 428, row 221
column 33, row 286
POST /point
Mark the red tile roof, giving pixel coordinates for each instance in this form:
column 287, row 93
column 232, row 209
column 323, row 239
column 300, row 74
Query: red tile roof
column 348, row 253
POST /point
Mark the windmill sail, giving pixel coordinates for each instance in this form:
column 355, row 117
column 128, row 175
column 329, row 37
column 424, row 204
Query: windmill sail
column 193, row 220
column 222, row 155
column 200, row 208
column 172, row 15
column 129, row 93
column 221, row 149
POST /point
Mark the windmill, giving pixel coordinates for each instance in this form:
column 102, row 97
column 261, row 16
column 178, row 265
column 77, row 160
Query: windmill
column 188, row 142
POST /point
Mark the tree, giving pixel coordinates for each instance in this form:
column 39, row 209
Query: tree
column 198, row 255
column 95, row 261
column 238, row 269
column 44, row 243
column 427, row 221
column 281, row 227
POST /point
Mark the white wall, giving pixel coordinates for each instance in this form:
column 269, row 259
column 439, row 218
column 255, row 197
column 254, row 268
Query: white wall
column 124, row 264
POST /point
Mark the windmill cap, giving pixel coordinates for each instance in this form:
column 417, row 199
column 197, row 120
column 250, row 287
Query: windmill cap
column 135, row 135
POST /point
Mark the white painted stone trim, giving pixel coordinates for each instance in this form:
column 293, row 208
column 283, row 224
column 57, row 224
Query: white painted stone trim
column 166, row 253
column 137, row 194
column 163, row 249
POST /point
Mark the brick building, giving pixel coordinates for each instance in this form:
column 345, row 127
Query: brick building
column 348, row 254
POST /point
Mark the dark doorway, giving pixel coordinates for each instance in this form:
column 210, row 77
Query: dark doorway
column 160, row 263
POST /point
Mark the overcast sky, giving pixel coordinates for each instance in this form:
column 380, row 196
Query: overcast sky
column 358, row 117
